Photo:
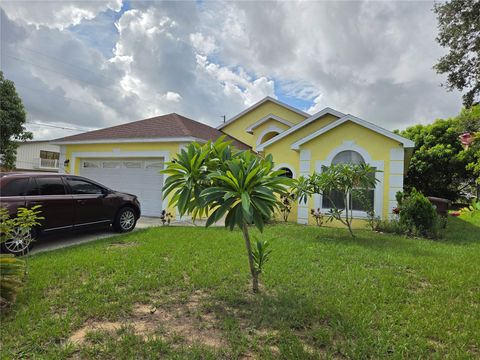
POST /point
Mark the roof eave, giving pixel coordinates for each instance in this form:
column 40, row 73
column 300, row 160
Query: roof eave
column 127, row 140
column 407, row 143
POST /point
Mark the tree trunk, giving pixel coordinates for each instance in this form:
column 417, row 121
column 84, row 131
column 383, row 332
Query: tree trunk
column 253, row 271
column 348, row 213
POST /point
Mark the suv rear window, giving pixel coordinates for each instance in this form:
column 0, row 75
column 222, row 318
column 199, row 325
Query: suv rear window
column 15, row 187
column 47, row 186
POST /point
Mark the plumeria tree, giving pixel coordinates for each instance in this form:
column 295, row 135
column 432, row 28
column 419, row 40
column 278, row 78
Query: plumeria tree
column 219, row 181
column 350, row 180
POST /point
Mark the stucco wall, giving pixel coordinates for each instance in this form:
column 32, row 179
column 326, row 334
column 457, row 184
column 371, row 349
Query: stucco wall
column 237, row 128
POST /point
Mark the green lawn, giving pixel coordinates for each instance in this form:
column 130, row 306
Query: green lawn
column 183, row 292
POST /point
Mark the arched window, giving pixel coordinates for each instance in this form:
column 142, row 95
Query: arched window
column 267, row 137
column 348, row 157
column 364, row 201
column 288, row 173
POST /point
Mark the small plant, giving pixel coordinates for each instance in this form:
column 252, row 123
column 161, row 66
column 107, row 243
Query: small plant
column 12, row 269
column 474, row 207
column 317, row 215
column 218, row 180
column 392, row 226
column 12, row 275
column 286, row 203
column 348, row 179
column 261, row 254
column 166, row 217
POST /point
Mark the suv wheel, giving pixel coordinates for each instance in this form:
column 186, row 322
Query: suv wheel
column 126, row 220
column 20, row 242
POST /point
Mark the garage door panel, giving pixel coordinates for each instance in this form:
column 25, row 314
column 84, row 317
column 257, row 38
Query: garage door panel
column 134, row 176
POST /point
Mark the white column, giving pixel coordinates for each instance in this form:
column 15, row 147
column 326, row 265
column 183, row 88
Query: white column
column 396, row 176
column 62, row 158
column 305, row 157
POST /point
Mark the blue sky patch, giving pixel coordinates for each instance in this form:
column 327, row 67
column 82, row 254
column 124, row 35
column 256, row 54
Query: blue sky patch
column 100, row 32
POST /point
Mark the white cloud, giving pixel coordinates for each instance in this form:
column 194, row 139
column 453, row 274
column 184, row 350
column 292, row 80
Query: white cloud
column 371, row 59
column 238, row 83
column 203, row 44
column 57, row 14
column 172, row 96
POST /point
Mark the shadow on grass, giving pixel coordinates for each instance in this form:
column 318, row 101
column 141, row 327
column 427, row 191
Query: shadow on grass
column 287, row 325
column 463, row 230
column 381, row 242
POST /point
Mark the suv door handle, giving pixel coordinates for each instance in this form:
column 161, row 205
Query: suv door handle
column 81, row 202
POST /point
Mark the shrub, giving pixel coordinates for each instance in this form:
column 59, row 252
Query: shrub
column 418, row 215
column 393, row 226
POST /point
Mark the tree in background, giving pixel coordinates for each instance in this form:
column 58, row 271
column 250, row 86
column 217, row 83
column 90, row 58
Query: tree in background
column 12, row 120
column 440, row 166
column 469, row 122
column 459, row 31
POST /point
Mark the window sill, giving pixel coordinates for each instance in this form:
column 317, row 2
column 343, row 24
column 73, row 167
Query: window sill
column 357, row 214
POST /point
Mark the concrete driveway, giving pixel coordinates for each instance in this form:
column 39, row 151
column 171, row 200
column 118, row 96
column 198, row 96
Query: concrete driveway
column 61, row 240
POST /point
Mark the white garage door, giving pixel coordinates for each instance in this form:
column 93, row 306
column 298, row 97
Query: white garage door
column 140, row 177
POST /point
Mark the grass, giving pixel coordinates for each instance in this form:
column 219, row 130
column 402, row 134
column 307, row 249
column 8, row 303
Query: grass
column 325, row 295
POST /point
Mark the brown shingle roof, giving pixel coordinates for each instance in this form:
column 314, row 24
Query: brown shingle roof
column 165, row 126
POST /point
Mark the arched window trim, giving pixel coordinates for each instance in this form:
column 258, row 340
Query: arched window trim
column 271, row 128
column 379, row 165
column 288, row 166
column 357, row 154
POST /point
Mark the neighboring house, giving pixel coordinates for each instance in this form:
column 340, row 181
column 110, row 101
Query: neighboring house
column 128, row 157
column 38, row 156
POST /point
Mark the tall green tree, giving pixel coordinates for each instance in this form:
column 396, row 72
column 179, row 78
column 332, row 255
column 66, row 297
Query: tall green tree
column 469, row 122
column 12, row 121
column 459, row 31
column 440, row 166
column 217, row 180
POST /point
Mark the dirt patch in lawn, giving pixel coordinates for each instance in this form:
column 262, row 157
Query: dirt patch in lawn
column 121, row 245
column 180, row 319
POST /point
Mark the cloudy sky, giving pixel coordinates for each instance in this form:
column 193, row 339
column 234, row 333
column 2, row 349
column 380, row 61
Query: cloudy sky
column 91, row 64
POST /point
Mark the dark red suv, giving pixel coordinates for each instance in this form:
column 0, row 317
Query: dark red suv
column 68, row 203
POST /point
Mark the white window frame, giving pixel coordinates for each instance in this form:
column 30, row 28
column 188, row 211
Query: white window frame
column 270, row 129
column 286, row 165
column 378, row 192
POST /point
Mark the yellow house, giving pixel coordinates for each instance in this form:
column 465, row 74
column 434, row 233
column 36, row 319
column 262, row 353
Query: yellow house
column 302, row 143
column 128, row 157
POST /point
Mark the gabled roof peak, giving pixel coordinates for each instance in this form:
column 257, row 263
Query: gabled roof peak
column 263, row 101
column 301, row 124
